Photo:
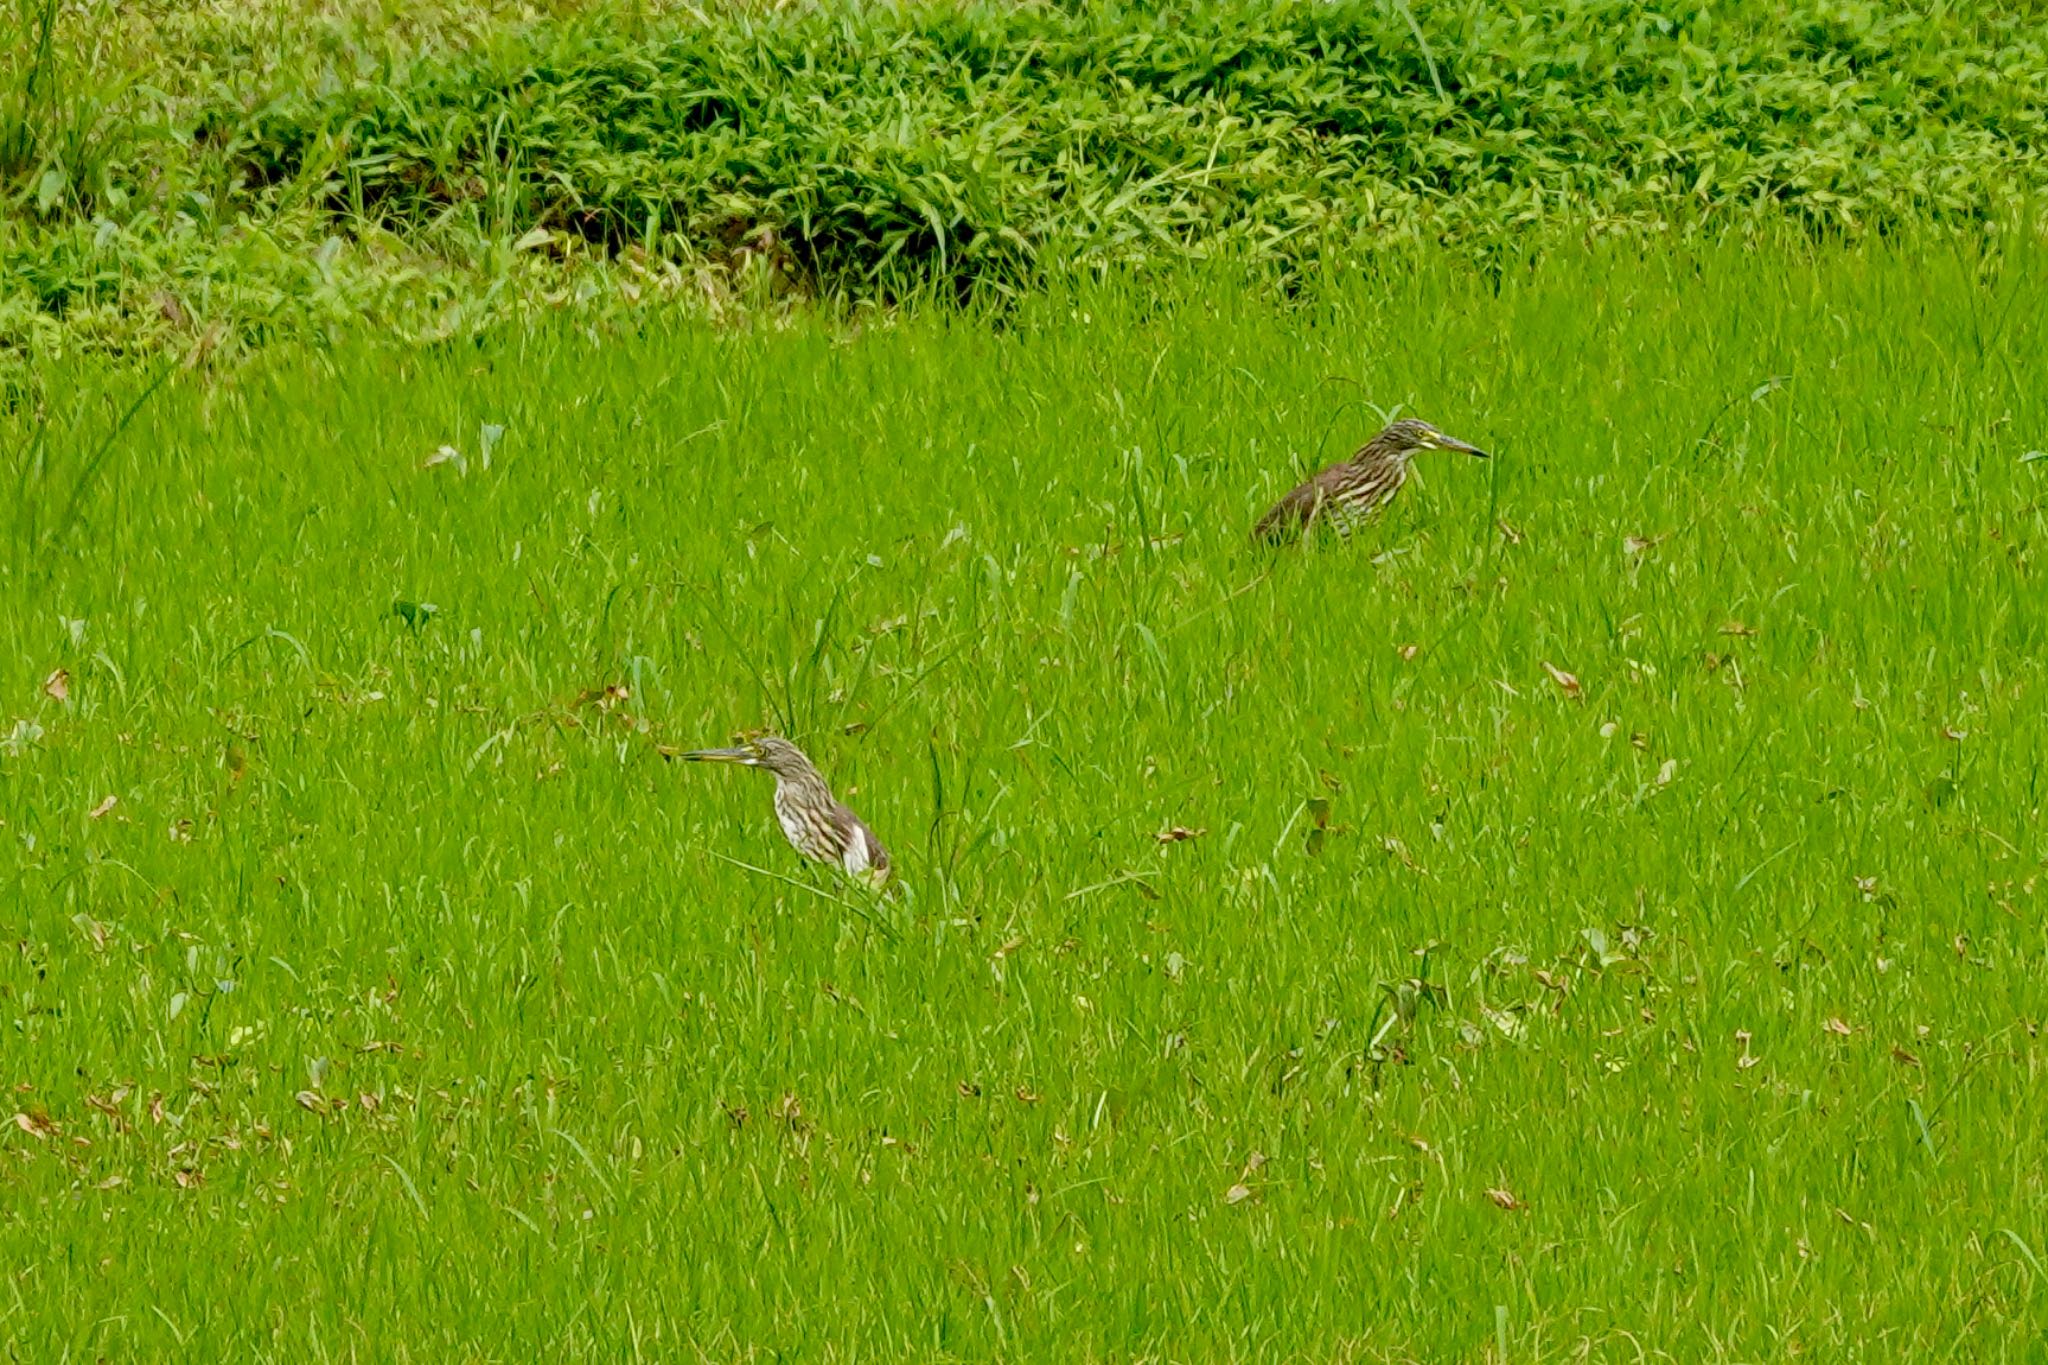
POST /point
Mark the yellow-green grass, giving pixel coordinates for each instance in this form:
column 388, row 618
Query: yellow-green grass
column 406, row 1005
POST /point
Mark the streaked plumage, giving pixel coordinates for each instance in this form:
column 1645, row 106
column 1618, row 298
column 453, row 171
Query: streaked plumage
column 1346, row 494
column 811, row 817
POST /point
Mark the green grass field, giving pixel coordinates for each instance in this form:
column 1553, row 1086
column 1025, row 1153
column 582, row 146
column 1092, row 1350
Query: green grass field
column 377, row 991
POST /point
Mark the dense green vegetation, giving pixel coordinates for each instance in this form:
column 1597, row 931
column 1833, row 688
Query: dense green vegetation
column 1608, row 917
column 226, row 176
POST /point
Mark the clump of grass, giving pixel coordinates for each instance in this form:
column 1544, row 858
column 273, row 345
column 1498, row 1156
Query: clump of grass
column 54, row 155
column 870, row 153
column 28, row 95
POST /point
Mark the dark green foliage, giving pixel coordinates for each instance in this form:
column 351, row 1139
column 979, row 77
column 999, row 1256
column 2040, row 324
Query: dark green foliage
column 972, row 141
column 868, row 154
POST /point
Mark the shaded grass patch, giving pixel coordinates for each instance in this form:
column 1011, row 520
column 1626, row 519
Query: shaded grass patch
column 598, row 161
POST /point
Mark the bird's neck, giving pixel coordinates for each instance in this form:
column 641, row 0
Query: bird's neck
column 801, row 786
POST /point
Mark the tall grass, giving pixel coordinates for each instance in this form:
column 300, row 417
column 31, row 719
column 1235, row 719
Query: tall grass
column 58, row 160
column 397, row 1007
column 28, row 93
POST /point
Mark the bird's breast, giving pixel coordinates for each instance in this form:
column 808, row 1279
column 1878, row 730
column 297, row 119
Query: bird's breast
column 805, row 824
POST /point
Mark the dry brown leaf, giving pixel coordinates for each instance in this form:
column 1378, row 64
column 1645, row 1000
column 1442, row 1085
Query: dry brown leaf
column 103, row 807
column 1950, row 732
column 1637, row 545
column 1027, row 1095
column 1737, row 628
column 188, row 1178
column 58, row 685
column 1567, row 683
column 1408, row 651
column 203, row 348
column 1237, row 1194
column 604, row 698
column 788, row 1109
column 1504, row 1198
column 311, row 1101
column 1179, row 834
column 1903, row 1057
column 443, row 455
column 37, row 1125
column 1839, row 1026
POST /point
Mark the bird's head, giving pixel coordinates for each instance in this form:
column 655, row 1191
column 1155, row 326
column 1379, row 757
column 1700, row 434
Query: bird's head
column 1403, row 438
column 772, row 752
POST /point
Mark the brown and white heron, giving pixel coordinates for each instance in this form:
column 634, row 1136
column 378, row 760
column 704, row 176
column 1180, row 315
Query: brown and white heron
column 1346, row 494
column 814, row 820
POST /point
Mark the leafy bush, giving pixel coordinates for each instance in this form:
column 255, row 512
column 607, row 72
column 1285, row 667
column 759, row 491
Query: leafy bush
column 867, row 153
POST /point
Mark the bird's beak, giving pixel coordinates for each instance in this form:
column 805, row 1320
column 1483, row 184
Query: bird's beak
column 1444, row 442
column 746, row 756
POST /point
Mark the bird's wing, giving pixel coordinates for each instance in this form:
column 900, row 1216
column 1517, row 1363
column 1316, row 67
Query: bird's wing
column 1296, row 510
column 861, row 853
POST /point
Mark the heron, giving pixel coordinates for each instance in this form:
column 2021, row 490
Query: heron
column 816, row 823
column 1347, row 493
